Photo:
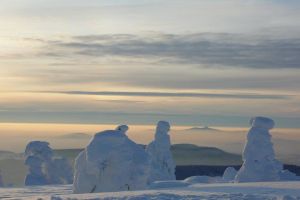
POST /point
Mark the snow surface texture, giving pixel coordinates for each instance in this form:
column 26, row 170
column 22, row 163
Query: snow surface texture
column 44, row 169
column 111, row 162
column 162, row 164
column 259, row 157
column 217, row 191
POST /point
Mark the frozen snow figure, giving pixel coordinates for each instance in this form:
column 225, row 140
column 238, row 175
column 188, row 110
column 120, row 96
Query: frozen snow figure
column 111, row 162
column 162, row 164
column 258, row 156
column 43, row 168
column 229, row 174
column 37, row 153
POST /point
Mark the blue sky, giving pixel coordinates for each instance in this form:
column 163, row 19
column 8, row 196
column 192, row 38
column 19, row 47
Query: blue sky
column 193, row 62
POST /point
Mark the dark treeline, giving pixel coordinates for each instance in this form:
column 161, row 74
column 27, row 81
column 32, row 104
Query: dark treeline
column 183, row 172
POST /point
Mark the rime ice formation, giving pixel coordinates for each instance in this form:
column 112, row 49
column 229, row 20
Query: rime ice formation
column 229, row 174
column 43, row 168
column 37, row 153
column 258, row 156
column 162, row 164
column 111, row 162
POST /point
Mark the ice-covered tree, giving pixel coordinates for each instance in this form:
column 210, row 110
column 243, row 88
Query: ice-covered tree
column 111, row 162
column 259, row 159
column 43, row 168
column 162, row 164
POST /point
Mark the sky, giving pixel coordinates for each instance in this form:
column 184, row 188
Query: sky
column 191, row 62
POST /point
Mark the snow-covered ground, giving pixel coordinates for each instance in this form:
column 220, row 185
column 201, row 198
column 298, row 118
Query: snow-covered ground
column 235, row 191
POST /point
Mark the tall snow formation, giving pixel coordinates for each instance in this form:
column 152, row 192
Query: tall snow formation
column 258, row 156
column 111, row 162
column 44, row 169
column 162, row 164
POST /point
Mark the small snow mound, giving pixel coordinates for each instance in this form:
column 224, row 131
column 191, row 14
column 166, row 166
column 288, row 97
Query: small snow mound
column 168, row 184
column 286, row 175
column 202, row 179
column 262, row 122
column 122, row 128
column 229, row 174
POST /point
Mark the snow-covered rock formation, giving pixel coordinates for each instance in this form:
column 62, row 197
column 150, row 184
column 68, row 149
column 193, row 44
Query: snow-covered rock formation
column 229, row 174
column 111, row 162
column 259, row 159
column 162, row 164
column 43, row 168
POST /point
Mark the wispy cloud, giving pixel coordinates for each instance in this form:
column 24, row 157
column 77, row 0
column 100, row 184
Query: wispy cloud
column 209, row 50
column 174, row 94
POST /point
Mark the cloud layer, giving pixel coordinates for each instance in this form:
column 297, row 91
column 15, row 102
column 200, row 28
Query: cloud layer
column 208, row 50
column 173, row 94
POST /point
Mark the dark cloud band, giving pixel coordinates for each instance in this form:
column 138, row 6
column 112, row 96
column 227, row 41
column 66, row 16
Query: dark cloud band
column 212, row 50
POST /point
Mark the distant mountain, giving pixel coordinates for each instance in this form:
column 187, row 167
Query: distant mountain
column 76, row 136
column 189, row 154
column 184, row 154
column 205, row 128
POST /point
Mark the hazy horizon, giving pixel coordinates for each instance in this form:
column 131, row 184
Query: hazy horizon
column 192, row 63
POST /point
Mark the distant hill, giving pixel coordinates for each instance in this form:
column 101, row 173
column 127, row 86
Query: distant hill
column 76, row 136
column 189, row 154
column 205, row 128
column 184, row 154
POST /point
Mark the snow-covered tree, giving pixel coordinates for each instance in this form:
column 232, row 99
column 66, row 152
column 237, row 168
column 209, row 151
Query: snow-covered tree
column 258, row 156
column 162, row 164
column 111, row 162
column 43, row 168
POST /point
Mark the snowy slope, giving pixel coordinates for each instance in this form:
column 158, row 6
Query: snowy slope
column 249, row 191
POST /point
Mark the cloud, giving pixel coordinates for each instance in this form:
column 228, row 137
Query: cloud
column 174, row 94
column 210, row 50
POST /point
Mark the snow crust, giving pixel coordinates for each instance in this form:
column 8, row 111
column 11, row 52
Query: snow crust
column 43, row 168
column 218, row 191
